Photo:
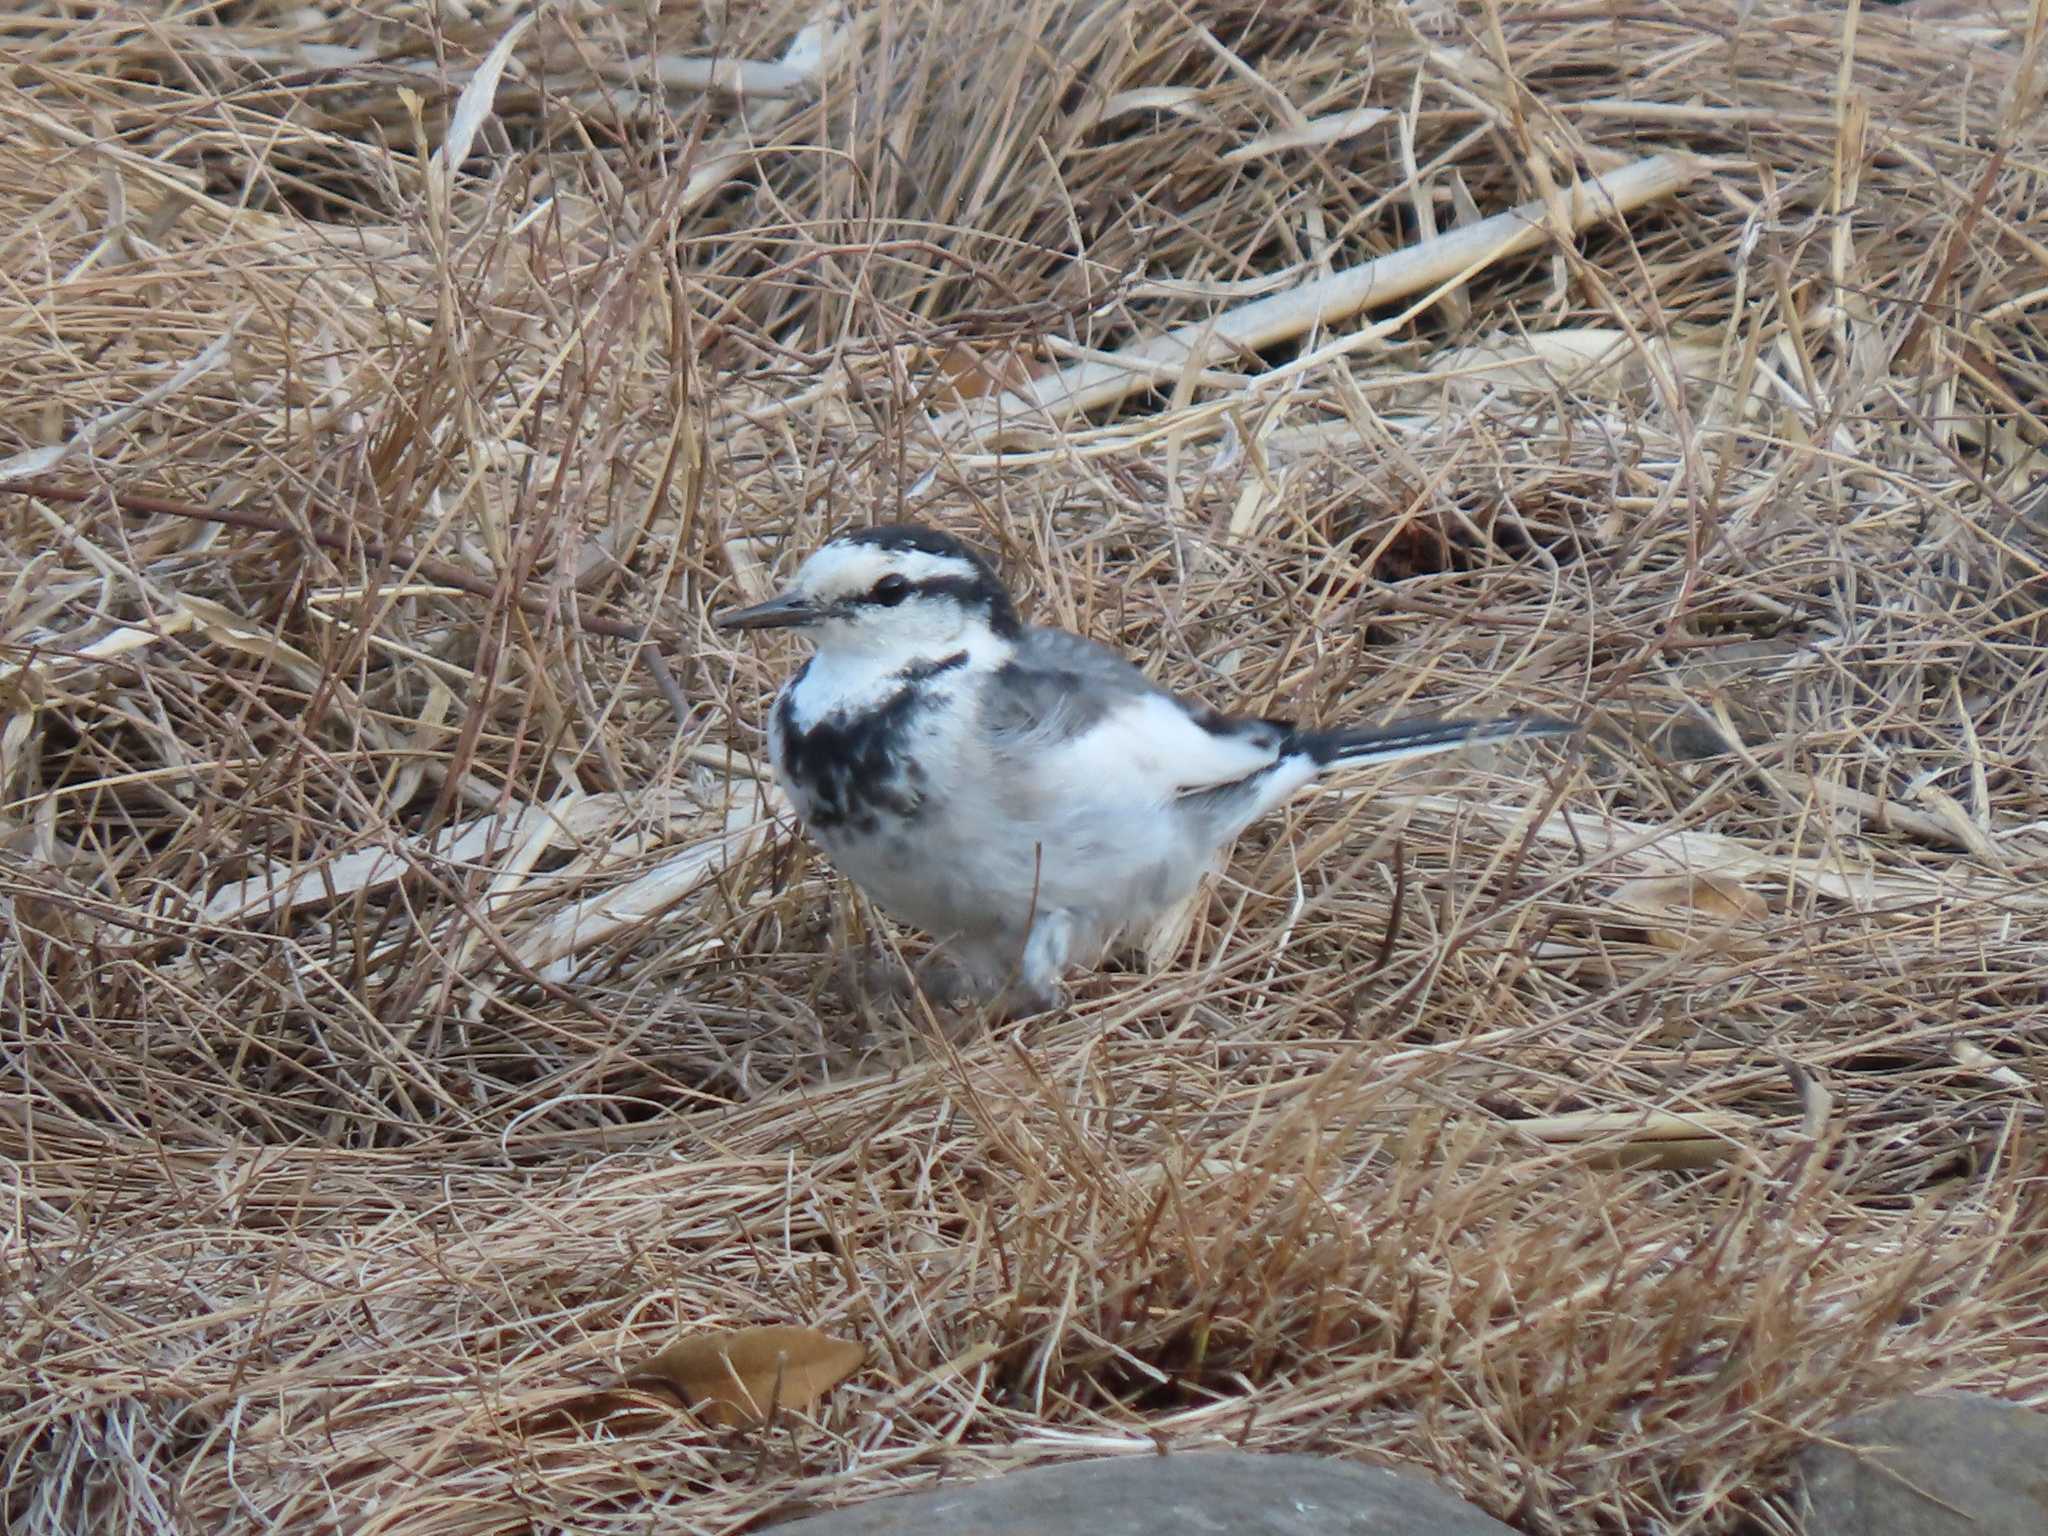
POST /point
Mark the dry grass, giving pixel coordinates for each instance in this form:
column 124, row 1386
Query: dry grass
column 408, row 1026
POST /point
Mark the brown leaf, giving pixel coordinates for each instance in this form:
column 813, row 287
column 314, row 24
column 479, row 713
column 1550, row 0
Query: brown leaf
column 738, row 1375
column 1678, row 912
column 971, row 374
column 635, row 1411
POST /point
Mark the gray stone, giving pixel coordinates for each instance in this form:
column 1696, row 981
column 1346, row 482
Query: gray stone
column 1948, row 1464
column 1196, row 1493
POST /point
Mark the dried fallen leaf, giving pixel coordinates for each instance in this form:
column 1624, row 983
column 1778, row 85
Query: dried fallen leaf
column 1317, row 131
column 1976, row 1059
column 1679, row 912
column 739, row 1375
column 1645, row 1138
column 971, row 374
column 475, row 104
column 635, row 1411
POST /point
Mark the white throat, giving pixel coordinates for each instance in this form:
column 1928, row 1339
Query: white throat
column 851, row 679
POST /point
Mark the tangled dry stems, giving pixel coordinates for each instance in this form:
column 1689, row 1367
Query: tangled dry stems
column 409, row 1026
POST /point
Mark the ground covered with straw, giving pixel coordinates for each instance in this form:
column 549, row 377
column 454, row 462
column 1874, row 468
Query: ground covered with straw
column 418, row 1012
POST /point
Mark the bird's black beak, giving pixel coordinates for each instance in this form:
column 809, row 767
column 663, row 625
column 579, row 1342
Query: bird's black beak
column 792, row 610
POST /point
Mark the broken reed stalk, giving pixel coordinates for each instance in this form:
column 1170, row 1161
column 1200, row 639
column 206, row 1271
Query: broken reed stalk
column 1462, row 252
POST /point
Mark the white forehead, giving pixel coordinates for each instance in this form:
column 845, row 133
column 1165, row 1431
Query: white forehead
column 842, row 568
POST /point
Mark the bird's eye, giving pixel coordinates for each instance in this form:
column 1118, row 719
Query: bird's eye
column 891, row 590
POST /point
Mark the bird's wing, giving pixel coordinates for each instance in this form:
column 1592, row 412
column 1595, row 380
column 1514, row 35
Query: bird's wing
column 1088, row 717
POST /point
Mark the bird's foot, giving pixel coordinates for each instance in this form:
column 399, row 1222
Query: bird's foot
column 1019, row 1001
column 882, row 978
column 869, row 979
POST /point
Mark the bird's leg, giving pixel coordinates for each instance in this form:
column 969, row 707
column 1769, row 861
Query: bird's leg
column 944, row 980
column 1037, row 988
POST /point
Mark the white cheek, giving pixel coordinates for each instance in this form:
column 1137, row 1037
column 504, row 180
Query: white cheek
column 914, row 626
column 943, row 621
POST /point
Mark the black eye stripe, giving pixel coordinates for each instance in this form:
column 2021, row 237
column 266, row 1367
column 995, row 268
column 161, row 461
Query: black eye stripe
column 980, row 591
column 888, row 592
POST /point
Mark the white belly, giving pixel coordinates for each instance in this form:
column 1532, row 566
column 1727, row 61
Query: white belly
column 977, row 867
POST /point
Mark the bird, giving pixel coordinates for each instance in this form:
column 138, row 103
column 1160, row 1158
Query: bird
column 1022, row 794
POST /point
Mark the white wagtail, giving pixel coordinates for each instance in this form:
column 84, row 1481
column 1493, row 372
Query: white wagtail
column 1022, row 794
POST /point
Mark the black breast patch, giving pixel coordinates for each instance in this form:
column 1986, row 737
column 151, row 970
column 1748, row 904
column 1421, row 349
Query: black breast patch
column 851, row 769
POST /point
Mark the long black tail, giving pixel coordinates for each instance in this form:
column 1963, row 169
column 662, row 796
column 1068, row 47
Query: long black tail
column 1419, row 737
